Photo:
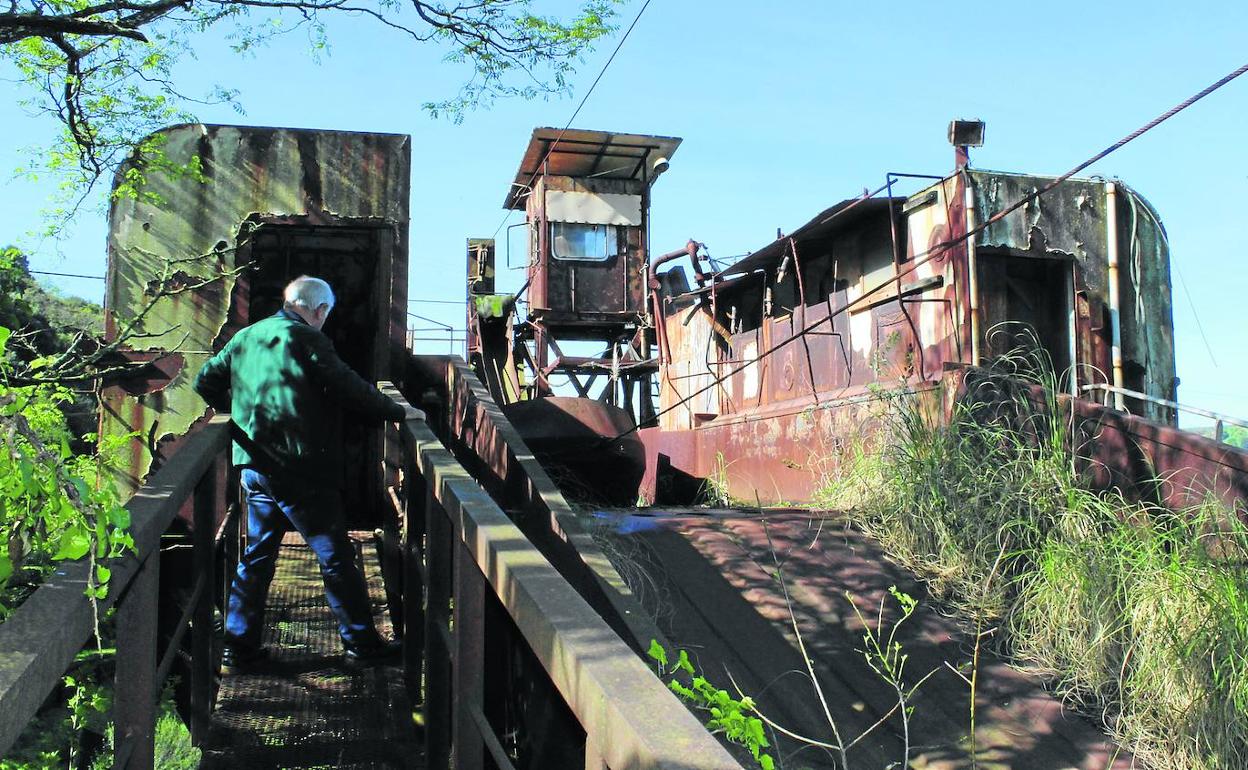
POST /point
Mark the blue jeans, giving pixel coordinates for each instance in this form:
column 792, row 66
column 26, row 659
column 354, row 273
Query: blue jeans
column 273, row 509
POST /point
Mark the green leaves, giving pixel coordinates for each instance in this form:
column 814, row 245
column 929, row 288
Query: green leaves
column 74, row 544
column 683, row 664
column 658, row 654
column 54, row 506
column 728, row 715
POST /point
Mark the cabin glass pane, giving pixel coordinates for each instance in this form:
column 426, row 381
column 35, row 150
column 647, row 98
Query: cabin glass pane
column 593, row 243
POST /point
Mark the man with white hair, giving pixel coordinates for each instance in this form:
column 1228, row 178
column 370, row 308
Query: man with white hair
column 285, row 387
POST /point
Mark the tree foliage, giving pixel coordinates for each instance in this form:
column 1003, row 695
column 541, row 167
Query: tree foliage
column 53, row 339
column 47, row 319
column 104, row 68
column 54, row 505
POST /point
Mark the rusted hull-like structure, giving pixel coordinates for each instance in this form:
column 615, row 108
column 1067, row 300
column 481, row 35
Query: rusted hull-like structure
column 768, row 371
column 776, row 367
column 195, row 257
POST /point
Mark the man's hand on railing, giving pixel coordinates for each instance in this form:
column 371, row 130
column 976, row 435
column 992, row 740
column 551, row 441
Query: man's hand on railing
column 409, row 412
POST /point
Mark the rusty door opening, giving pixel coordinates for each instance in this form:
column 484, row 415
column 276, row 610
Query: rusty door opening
column 348, row 258
column 1026, row 305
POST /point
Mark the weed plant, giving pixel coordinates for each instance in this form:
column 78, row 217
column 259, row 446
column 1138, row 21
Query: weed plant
column 1136, row 612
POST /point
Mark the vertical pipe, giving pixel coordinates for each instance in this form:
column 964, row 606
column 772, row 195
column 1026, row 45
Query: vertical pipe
column 972, row 269
column 134, row 706
column 1072, row 329
column 1115, row 328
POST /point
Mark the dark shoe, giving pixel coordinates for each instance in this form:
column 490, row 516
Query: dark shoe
column 380, row 653
column 238, row 660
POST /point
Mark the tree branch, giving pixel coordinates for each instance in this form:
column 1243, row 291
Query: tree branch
column 88, row 22
column 18, row 26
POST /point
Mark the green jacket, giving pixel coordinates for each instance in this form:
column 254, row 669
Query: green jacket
column 285, row 387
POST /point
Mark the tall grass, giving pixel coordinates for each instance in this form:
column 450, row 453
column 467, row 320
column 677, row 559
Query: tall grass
column 1136, row 612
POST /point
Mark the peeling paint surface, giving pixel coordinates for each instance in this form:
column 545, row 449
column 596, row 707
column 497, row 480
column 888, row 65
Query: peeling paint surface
column 250, row 175
column 886, row 302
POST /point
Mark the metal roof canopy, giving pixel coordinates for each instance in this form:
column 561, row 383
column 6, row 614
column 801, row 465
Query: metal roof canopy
column 842, row 214
column 582, row 154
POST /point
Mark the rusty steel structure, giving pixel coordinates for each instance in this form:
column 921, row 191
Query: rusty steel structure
column 766, row 371
column 586, row 198
column 776, row 365
column 588, row 320
column 519, row 632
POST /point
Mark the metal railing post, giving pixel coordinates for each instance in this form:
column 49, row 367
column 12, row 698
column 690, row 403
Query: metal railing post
column 437, row 633
column 413, row 523
column 203, row 537
column 135, row 687
column 593, row 753
column 469, row 640
column 236, row 527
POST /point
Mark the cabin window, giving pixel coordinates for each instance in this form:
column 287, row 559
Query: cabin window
column 588, row 243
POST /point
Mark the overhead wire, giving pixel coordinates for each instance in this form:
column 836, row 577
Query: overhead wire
column 943, row 247
column 67, row 275
column 577, row 111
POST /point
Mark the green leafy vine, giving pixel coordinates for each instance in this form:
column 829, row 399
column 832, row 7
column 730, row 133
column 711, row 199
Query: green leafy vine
column 727, row 715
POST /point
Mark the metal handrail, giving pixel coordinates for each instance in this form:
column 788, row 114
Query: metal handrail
column 1219, row 419
column 471, row 546
column 40, row 640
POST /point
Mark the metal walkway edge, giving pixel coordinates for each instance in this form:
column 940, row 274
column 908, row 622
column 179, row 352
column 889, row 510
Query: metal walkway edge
column 303, row 709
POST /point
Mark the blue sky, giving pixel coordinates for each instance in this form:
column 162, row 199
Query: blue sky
column 786, row 108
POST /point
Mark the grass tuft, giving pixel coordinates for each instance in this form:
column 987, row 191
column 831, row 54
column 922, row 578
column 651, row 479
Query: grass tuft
column 1139, row 613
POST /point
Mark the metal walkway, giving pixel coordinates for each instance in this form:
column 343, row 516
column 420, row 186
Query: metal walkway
column 304, row 709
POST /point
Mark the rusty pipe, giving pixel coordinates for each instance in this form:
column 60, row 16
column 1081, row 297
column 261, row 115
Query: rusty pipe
column 691, row 248
column 1115, row 327
column 972, row 270
column 652, row 282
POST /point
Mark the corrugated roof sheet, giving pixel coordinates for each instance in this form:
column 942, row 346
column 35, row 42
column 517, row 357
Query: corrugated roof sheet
column 582, row 153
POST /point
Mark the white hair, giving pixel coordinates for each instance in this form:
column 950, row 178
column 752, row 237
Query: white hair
column 308, row 293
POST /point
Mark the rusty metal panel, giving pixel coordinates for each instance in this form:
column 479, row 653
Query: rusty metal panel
column 480, row 266
column 1071, row 221
column 571, row 291
column 767, row 335
column 781, row 454
column 183, row 231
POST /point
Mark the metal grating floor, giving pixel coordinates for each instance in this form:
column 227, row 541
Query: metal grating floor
column 303, row 709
